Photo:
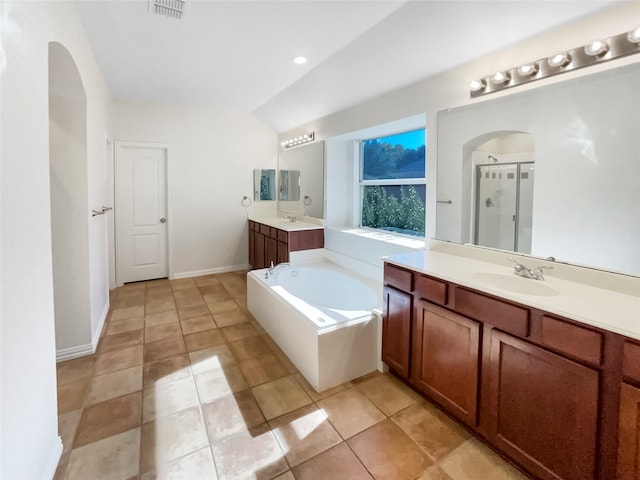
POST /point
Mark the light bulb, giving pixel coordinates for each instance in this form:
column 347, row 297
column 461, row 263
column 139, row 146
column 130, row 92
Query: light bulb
column 559, row 59
column 596, row 48
column 477, row 85
column 499, row 78
column 634, row 35
column 528, row 70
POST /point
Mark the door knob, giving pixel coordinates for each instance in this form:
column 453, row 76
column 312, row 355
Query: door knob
column 163, row 220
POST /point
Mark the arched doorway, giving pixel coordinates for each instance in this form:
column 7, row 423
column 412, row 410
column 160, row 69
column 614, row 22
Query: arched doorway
column 69, row 204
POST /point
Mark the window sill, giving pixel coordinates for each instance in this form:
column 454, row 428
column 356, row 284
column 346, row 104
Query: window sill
column 418, row 243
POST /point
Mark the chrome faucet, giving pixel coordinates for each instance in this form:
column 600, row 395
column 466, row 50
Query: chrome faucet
column 291, row 218
column 523, row 271
column 273, row 268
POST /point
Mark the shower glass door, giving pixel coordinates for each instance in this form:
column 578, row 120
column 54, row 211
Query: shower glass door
column 504, row 206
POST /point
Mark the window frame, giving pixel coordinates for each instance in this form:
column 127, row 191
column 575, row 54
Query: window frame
column 361, row 183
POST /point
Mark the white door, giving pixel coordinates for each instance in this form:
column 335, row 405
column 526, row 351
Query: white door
column 141, row 212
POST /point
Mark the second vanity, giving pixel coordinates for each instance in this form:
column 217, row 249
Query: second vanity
column 272, row 239
column 547, row 373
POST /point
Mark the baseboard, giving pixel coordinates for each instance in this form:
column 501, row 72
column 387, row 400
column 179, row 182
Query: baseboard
column 75, row 352
column 54, row 459
column 211, row 271
column 98, row 332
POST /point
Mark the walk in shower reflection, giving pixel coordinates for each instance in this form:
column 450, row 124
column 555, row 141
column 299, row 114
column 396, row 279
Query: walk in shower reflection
column 504, row 206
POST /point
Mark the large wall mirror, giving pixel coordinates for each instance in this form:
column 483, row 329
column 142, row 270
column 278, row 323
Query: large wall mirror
column 553, row 171
column 301, row 180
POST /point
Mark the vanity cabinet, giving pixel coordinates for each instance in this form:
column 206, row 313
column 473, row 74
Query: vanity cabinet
column 269, row 244
column 557, row 397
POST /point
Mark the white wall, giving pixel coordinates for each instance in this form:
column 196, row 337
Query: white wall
column 212, row 155
column 30, row 446
column 451, row 89
column 68, row 184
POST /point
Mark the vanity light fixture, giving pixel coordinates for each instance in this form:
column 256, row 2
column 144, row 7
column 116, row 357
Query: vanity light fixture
column 634, row 35
column 295, row 141
column 594, row 52
column 561, row 59
column 528, row 70
column 596, row 48
column 300, row 60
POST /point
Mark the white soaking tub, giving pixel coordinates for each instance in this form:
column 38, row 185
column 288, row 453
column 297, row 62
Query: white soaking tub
column 325, row 318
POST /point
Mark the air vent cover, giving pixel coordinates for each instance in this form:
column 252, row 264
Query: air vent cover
column 168, row 8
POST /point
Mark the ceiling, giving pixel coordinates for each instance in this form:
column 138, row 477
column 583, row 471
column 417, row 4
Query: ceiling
column 238, row 54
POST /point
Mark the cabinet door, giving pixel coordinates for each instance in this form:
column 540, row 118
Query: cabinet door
column 271, row 251
column 259, row 251
column 396, row 330
column 446, row 359
column 252, row 248
column 543, row 409
column 629, row 434
column 283, row 252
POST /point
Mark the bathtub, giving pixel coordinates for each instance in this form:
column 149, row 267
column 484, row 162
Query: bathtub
column 325, row 319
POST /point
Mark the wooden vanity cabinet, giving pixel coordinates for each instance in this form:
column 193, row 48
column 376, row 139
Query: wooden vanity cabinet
column 268, row 244
column 554, row 396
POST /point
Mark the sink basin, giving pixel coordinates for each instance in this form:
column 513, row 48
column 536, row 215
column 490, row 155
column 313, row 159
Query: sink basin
column 516, row 284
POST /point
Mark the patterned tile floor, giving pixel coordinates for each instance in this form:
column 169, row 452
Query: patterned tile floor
column 187, row 385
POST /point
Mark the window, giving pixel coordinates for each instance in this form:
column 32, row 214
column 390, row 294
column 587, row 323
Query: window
column 392, row 183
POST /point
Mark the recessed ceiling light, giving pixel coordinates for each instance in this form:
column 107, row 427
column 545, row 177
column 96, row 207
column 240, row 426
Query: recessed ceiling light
column 300, row 60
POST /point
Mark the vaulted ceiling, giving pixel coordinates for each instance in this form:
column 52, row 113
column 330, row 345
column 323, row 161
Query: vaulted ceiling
column 238, row 54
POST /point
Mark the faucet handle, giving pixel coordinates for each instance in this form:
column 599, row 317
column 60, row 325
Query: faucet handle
column 516, row 261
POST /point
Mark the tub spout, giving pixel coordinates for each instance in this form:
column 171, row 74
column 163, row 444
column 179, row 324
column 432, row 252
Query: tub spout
column 273, row 268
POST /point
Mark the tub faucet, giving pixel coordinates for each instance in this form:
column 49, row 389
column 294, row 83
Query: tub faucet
column 522, row 271
column 272, row 268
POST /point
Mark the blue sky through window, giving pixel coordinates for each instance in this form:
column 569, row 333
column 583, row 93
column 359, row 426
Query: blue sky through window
column 411, row 140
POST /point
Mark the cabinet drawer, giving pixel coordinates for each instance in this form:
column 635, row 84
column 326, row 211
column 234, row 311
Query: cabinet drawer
column 282, row 236
column 252, row 225
column 431, row 289
column 273, row 232
column 571, row 339
column 505, row 316
column 631, row 361
column 265, row 229
column 397, row 277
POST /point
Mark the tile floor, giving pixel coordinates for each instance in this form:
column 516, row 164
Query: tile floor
column 186, row 385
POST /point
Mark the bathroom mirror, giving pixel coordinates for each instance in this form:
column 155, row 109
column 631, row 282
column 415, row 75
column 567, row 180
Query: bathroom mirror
column 302, row 166
column 264, row 184
column 581, row 137
column 289, row 189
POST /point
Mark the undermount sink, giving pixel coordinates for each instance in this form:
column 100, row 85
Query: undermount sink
column 514, row 283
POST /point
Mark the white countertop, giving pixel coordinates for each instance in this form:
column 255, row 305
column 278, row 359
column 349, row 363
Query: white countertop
column 285, row 224
column 599, row 307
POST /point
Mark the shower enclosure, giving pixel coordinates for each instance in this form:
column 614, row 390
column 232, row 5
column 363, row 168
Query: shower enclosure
column 504, row 206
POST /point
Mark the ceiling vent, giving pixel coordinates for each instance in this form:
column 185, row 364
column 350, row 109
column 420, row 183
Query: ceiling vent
column 168, row 8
